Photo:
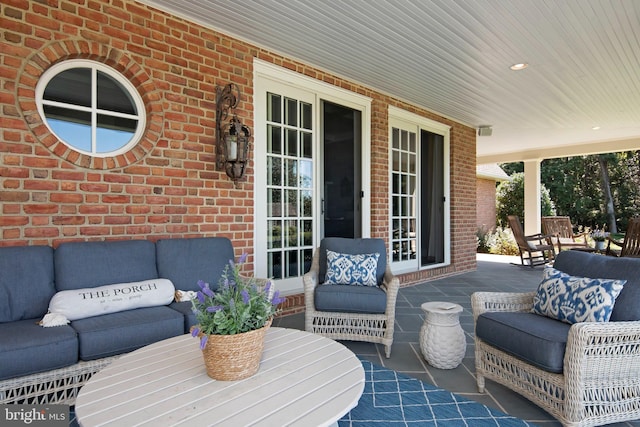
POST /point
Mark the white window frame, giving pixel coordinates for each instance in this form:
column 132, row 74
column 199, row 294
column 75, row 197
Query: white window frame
column 95, row 66
column 268, row 77
column 406, row 120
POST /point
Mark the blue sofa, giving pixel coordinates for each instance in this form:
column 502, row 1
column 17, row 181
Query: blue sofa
column 585, row 373
column 49, row 365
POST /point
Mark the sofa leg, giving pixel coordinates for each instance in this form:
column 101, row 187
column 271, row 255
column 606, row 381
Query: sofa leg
column 387, row 350
column 480, row 381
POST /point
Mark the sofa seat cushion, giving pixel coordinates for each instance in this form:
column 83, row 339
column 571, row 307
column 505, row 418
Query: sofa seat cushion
column 186, row 309
column 117, row 333
column 27, row 348
column 26, row 282
column 185, row 261
column 89, row 264
column 577, row 263
column 535, row 339
column 350, row 299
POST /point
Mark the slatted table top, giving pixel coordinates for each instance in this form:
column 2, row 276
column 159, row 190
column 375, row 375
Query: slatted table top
column 303, row 380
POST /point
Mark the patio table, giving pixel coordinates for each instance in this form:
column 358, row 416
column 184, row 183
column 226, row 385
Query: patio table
column 304, row 379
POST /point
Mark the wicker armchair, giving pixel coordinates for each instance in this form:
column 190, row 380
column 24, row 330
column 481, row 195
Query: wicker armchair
column 535, row 249
column 600, row 380
column 561, row 230
column 356, row 326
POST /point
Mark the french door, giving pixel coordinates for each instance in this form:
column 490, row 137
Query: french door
column 419, row 192
column 310, row 160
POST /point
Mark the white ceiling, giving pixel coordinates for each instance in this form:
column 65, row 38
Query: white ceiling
column 453, row 56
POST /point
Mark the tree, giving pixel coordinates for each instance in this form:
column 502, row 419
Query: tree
column 606, row 189
column 577, row 190
column 510, row 199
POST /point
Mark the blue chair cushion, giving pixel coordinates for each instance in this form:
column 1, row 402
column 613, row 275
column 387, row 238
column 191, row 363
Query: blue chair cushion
column 89, row 264
column 350, row 299
column 354, row 247
column 117, row 333
column 185, row 261
column 28, row 348
column 538, row 340
column 26, row 282
column 577, row 263
column 574, row 299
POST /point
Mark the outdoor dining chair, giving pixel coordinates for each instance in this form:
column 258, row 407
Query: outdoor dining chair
column 535, row 249
column 561, row 231
column 630, row 245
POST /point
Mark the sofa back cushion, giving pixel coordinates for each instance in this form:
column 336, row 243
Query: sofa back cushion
column 26, row 282
column 185, row 261
column 578, row 263
column 344, row 245
column 89, row 264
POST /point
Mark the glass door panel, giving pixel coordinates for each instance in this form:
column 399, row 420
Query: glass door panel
column 404, row 196
column 289, row 186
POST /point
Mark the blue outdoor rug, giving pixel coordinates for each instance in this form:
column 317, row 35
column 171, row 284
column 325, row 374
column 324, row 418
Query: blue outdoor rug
column 393, row 399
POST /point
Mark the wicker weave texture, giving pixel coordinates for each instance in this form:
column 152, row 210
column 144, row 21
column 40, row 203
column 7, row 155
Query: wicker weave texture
column 375, row 328
column 234, row 357
column 600, row 383
column 58, row 386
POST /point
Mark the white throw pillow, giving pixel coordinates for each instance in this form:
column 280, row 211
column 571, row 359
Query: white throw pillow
column 88, row 302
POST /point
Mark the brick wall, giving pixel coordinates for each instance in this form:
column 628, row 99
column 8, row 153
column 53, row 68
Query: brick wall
column 486, row 203
column 168, row 185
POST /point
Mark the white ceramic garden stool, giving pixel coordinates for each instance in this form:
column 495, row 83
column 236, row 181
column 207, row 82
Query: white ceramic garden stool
column 442, row 339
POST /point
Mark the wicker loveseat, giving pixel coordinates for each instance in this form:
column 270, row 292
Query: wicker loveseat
column 47, row 365
column 584, row 374
column 350, row 312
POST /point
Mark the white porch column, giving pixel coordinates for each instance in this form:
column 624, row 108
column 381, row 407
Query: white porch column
column 532, row 209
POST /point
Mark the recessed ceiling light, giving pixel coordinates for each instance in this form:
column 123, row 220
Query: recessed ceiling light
column 596, row 128
column 518, row 67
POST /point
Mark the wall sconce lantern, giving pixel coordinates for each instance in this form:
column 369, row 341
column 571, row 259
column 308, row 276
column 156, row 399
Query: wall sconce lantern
column 232, row 137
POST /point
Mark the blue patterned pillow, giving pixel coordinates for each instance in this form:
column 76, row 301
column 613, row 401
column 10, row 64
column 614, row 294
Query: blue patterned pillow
column 347, row 269
column 574, row 299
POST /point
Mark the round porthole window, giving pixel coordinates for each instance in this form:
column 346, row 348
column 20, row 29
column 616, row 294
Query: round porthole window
column 91, row 107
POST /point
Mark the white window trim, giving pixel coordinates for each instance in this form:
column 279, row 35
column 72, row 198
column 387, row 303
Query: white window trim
column 267, row 75
column 111, row 72
column 405, row 117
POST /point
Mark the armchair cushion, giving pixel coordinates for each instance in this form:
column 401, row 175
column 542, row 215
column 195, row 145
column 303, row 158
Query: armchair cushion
column 350, row 299
column 348, row 269
column 538, row 340
column 574, row 299
column 354, row 247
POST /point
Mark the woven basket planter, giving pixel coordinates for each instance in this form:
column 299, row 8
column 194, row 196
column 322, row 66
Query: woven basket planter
column 234, row 357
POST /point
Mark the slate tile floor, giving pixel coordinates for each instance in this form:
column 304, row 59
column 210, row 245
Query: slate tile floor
column 494, row 273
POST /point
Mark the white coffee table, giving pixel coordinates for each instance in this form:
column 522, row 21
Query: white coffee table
column 303, row 380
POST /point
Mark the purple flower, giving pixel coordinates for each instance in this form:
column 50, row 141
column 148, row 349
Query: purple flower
column 205, row 288
column 201, row 297
column 243, row 258
column 267, row 288
column 245, row 296
column 214, row 308
column 203, row 341
column 195, row 331
column 276, row 298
